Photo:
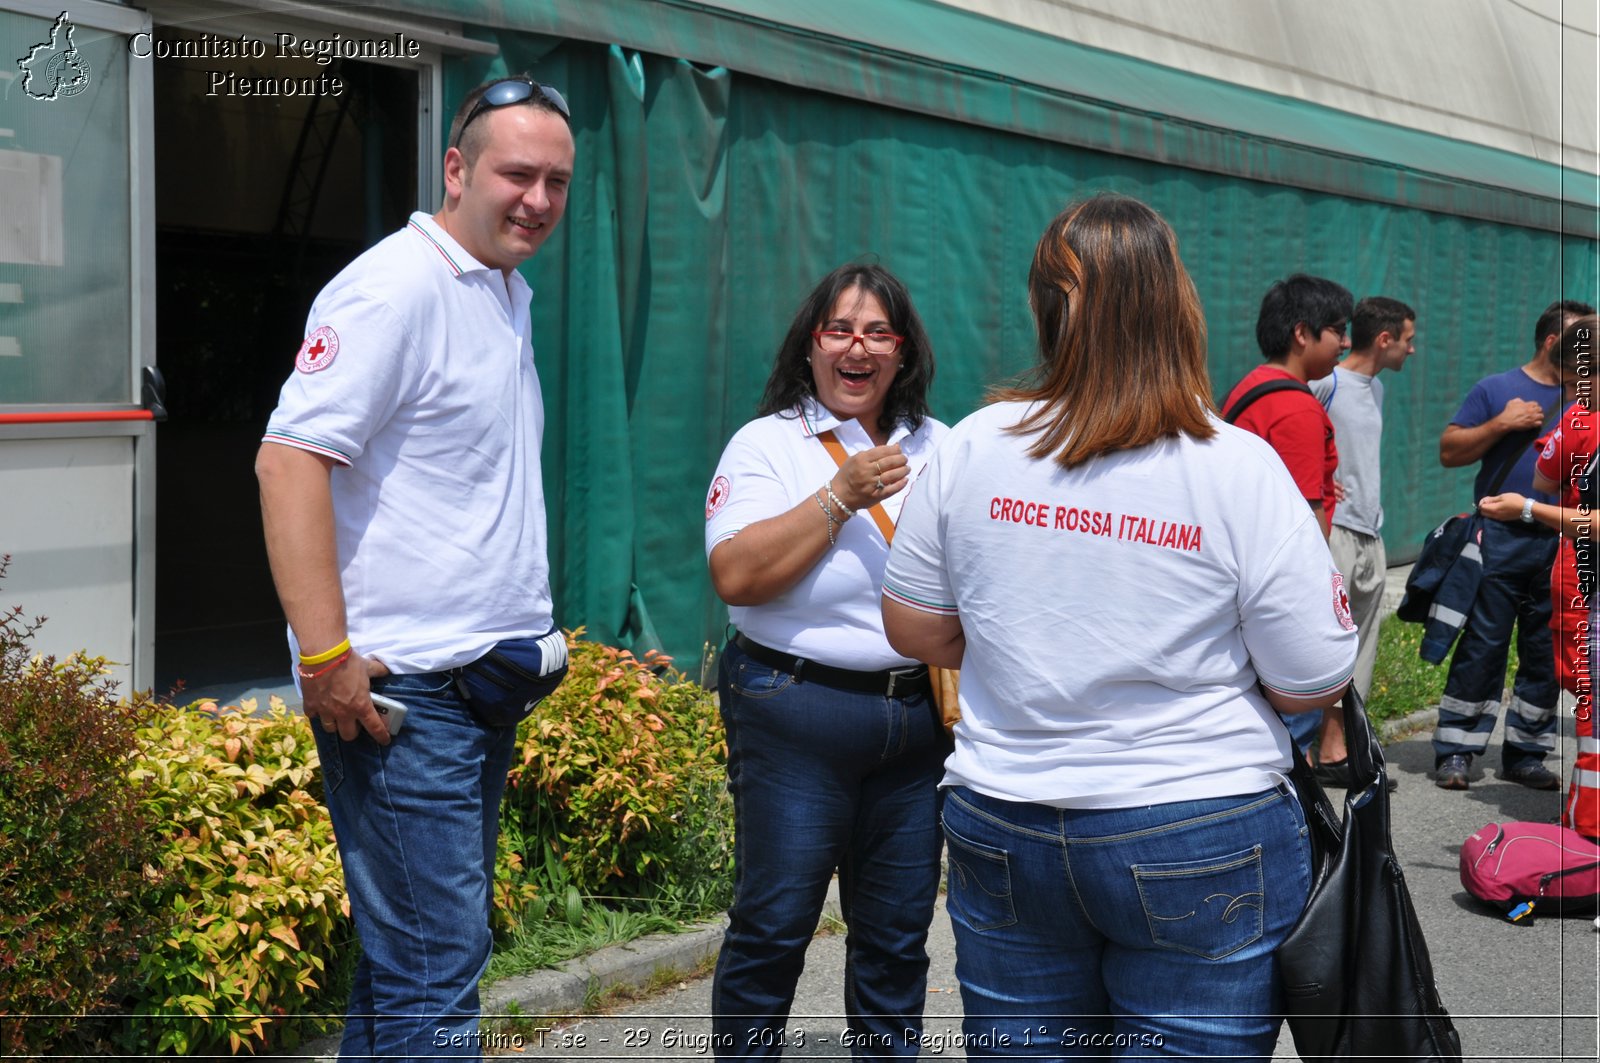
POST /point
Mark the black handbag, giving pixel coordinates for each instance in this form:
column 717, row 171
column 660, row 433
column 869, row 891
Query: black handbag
column 1355, row 969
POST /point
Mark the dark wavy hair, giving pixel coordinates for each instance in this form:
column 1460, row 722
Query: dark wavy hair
column 791, row 380
column 1552, row 321
column 1122, row 337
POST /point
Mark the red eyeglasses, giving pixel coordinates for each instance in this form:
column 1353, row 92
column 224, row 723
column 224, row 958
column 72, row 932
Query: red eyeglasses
column 835, row 342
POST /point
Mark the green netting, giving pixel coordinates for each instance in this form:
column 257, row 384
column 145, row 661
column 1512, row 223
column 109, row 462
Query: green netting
column 708, row 203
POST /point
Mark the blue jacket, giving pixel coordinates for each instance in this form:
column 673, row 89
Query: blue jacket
column 1443, row 584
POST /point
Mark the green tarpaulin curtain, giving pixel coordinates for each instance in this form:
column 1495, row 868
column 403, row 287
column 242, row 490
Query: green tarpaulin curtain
column 708, row 203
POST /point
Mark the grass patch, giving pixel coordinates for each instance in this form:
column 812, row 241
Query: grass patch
column 620, row 996
column 540, row 943
column 1402, row 682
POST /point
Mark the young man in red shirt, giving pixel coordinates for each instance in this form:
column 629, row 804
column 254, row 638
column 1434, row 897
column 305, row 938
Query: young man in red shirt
column 1302, row 331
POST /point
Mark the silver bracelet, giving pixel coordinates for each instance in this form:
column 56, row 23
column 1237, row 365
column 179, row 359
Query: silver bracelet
column 826, row 512
column 846, row 510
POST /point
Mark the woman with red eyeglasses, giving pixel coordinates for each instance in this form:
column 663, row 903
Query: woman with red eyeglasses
column 835, row 746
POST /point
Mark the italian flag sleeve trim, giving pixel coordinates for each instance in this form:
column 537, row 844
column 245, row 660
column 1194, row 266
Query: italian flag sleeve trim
column 895, row 594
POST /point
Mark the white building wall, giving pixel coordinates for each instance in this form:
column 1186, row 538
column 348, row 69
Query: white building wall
column 1519, row 75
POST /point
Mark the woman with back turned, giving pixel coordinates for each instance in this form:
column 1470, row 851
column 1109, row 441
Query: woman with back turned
column 1130, row 588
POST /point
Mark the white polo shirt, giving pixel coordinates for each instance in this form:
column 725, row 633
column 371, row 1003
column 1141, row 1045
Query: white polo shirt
column 1119, row 615
column 417, row 377
column 771, row 465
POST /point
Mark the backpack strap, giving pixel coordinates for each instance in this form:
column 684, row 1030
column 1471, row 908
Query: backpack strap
column 1266, row 387
column 1327, row 403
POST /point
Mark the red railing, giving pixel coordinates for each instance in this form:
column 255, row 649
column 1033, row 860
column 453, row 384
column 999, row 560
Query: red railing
column 76, row 416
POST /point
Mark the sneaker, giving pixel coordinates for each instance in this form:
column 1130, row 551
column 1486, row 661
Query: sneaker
column 1337, row 774
column 1452, row 772
column 1532, row 774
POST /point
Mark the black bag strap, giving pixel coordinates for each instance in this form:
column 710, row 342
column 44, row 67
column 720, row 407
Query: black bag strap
column 1323, row 825
column 1266, row 387
column 1365, row 752
column 1519, row 445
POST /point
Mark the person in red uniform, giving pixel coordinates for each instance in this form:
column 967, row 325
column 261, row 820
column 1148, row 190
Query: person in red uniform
column 1565, row 464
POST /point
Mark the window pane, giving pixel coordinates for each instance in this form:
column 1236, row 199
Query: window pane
column 65, row 289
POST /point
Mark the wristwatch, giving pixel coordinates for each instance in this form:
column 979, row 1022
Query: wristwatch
column 1527, row 511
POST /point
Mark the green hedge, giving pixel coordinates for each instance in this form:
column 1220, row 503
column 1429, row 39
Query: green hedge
column 219, row 921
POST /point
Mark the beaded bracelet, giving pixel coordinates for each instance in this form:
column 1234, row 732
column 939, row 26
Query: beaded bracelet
column 826, row 512
column 846, row 510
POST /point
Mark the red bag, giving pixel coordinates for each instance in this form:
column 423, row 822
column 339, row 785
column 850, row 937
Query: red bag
column 1520, row 866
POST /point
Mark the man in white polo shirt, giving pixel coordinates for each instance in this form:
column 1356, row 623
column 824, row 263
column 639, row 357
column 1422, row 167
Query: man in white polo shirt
column 405, row 524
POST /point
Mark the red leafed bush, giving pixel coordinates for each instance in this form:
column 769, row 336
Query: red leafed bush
column 79, row 887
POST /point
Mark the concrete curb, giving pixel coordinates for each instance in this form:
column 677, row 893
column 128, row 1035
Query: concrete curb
column 1421, row 720
column 567, row 989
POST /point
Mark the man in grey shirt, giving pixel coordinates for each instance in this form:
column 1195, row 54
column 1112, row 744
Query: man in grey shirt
column 1382, row 335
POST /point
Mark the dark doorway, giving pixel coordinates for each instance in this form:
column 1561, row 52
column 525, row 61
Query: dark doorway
column 259, row 201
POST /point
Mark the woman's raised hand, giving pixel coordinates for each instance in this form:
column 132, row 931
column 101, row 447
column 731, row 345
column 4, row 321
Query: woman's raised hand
column 871, row 476
column 1502, row 507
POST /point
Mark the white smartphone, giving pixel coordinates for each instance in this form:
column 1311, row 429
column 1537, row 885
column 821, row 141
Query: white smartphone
column 393, row 712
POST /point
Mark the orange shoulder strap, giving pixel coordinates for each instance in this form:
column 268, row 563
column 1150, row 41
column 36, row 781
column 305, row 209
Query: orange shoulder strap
column 835, row 449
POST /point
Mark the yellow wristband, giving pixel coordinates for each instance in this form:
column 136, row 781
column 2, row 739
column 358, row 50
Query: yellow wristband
column 328, row 655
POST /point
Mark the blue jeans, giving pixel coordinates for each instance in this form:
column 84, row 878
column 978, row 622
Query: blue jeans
column 1514, row 593
column 1124, row 932
column 417, row 824
column 826, row 779
column 1303, row 727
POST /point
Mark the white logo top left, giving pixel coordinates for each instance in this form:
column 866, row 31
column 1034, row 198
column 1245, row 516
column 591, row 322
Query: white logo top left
column 55, row 68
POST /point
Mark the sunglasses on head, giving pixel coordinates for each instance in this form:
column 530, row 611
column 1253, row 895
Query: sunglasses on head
column 507, row 91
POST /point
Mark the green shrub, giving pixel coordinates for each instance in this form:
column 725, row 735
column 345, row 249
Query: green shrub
column 178, row 861
column 79, row 885
column 260, row 915
column 618, row 789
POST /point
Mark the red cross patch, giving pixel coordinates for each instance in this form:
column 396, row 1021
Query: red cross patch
column 717, row 497
column 318, row 351
column 1341, row 603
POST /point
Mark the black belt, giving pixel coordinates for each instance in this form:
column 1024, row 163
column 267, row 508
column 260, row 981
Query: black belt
column 891, row 682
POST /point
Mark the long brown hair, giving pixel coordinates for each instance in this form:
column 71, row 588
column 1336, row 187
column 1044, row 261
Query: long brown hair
column 1122, row 338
